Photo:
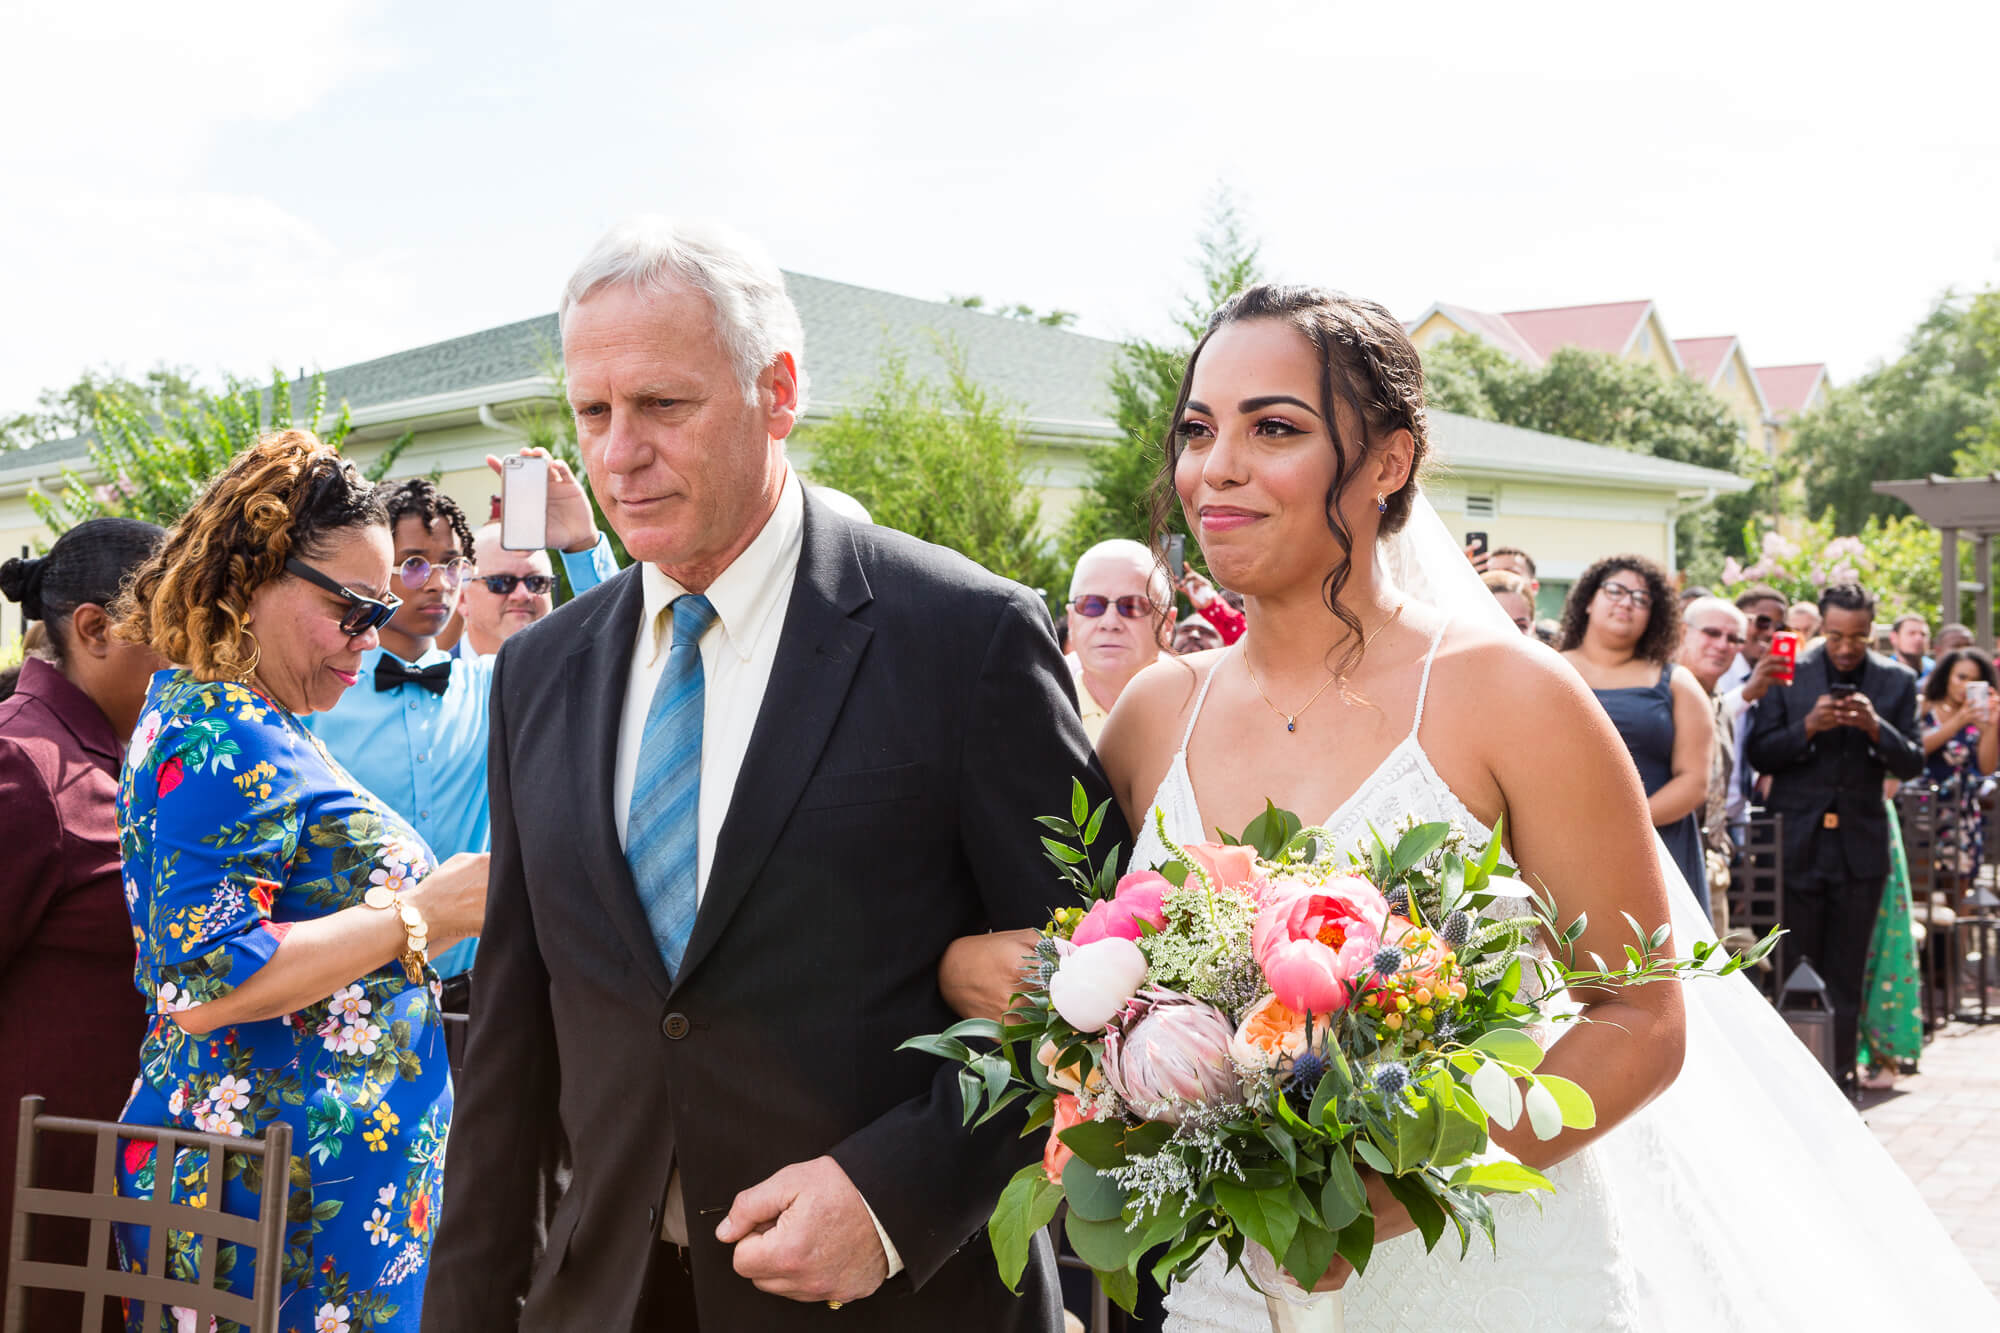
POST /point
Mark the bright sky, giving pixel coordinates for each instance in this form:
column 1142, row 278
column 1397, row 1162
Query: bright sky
column 231, row 184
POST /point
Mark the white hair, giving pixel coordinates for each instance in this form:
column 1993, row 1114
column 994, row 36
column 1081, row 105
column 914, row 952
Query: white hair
column 1734, row 612
column 753, row 313
column 1139, row 556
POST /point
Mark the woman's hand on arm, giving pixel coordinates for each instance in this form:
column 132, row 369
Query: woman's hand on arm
column 1694, row 745
column 1581, row 831
column 318, row 957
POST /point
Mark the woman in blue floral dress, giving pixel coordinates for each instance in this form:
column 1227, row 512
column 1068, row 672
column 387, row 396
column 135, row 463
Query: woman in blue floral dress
column 283, row 915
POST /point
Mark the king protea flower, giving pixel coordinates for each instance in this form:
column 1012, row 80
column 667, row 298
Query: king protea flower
column 1168, row 1052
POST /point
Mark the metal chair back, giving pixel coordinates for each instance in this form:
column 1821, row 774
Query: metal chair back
column 152, row 1291
column 1757, row 889
column 1919, row 809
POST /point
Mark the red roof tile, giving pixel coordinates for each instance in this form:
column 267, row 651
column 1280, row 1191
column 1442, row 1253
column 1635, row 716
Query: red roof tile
column 1603, row 328
column 1787, row 389
column 1702, row 358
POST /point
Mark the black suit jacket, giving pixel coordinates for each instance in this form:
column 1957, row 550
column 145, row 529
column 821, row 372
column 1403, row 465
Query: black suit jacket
column 1838, row 771
column 918, row 718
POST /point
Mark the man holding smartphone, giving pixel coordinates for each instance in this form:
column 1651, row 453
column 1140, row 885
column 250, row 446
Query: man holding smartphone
column 1828, row 740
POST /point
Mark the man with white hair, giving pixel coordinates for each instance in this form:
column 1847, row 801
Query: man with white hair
column 752, row 788
column 510, row 591
column 1121, row 603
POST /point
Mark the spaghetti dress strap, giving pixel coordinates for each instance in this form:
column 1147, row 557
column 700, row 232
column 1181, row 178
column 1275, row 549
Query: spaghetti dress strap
column 1199, row 699
column 1424, row 686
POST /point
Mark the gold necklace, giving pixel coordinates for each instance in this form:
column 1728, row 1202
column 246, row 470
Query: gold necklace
column 1292, row 719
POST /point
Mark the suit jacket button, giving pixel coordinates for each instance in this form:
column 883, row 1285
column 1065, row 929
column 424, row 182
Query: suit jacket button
column 675, row 1026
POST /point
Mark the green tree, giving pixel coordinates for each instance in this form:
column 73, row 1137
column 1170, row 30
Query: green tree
column 1054, row 319
column 152, row 466
column 61, row 413
column 1935, row 409
column 940, row 462
column 1604, row 399
column 1117, row 500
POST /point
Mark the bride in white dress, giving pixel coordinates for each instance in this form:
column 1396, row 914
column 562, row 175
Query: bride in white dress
column 1377, row 682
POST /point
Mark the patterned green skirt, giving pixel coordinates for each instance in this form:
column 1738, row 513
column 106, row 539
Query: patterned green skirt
column 1892, row 1015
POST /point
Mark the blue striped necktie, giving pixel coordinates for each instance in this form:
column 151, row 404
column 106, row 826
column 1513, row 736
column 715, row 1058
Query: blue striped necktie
column 662, row 833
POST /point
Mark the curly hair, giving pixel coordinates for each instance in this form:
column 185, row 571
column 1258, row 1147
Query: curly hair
column 1937, row 685
column 1367, row 362
column 1662, row 638
column 419, row 499
column 286, row 495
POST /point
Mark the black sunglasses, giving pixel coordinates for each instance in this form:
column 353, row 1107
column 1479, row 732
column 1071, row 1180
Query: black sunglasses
column 1132, row 606
column 362, row 614
column 500, row 585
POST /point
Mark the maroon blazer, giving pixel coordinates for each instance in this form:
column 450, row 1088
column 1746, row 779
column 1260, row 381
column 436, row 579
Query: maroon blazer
column 70, row 1018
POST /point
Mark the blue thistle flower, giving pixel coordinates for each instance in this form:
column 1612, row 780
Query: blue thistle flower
column 1391, row 1078
column 1398, row 899
column 1388, row 961
column 1307, row 1070
column 1457, row 930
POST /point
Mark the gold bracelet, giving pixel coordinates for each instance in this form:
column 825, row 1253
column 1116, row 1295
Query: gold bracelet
column 416, row 934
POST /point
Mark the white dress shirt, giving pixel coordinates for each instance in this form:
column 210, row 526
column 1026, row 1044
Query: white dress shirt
column 1736, row 711
column 737, row 653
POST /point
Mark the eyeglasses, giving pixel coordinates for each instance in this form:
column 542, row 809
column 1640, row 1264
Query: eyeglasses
column 500, row 585
column 1132, row 606
column 362, row 614
column 1764, row 624
column 1618, row 592
column 1711, row 632
column 417, row 571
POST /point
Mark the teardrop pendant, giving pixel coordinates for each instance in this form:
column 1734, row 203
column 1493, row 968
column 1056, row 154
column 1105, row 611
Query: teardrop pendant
column 1291, row 724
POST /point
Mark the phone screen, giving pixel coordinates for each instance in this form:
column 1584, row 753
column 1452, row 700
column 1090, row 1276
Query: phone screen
column 1476, row 541
column 524, row 503
column 1173, row 550
column 1840, row 691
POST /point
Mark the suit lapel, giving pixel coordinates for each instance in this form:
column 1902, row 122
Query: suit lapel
column 598, row 669
column 819, row 649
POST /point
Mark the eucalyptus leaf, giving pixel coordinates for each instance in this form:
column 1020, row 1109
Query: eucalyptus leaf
column 1092, row 1195
column 1122, row 1287
column 1344, row 1196
column 1105, row 1246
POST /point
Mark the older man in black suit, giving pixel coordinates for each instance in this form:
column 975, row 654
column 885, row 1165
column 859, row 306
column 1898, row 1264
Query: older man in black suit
column 744, row 795
column 1847, row 721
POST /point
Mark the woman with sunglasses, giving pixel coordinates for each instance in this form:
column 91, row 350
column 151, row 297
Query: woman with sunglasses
column 1621, row 629
column 283, row 914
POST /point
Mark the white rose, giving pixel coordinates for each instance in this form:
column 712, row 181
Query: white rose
column 1095, row 981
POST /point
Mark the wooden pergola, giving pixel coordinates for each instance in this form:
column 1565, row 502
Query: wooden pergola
column 1958, row 507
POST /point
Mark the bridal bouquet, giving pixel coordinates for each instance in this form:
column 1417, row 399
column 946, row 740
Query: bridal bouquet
column 1219, row 1049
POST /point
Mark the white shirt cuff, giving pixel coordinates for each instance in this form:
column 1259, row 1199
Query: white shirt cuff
column 888, row 1246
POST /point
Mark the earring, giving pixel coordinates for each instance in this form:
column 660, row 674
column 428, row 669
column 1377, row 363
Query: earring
column 1381, row 503
column 249, row 669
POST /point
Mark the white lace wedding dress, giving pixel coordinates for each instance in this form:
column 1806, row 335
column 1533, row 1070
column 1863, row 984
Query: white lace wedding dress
column 1747, row 1197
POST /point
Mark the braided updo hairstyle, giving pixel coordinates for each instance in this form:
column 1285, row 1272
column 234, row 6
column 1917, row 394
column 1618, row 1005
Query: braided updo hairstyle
column 286, row 495
column 1367, row 362
column 86, row 566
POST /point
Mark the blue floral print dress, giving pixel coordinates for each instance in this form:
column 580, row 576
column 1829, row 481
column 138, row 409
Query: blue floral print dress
column 235, row 823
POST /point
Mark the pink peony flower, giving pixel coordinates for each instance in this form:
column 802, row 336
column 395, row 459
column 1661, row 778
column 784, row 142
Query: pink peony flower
column 1093, row 982
column 1311, row 941
column 1168, row 1052
column 1140, row 896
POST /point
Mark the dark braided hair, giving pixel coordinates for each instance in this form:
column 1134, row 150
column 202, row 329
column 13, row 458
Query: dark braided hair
column 1367, row 362
column 87, row 565
column 418, row 498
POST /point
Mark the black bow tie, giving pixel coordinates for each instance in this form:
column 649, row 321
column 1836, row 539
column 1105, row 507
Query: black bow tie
column 390, row 673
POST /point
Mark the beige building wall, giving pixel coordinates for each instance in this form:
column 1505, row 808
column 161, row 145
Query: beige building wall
column 1434, row 328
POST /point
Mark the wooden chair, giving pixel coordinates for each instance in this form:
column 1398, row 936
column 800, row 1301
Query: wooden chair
column 152, row 1291
column 1757, row 890
column 1918, row 809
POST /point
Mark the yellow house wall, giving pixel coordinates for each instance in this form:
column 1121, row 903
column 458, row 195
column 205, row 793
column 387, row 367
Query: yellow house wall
column 1652, row 345
column 1435, row 327
column 1740, row 393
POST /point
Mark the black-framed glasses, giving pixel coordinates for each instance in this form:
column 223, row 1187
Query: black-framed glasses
column 1714, row 632
column 1618, row 592
column 416, row 571
column 1132, row 606
column 362, row 614
column 1764, row 624
column 502, row 585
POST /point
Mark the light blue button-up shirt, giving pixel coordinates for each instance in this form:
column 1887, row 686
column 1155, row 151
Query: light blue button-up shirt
column 424, row 754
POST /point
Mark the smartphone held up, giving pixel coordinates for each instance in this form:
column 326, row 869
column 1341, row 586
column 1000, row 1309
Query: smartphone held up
column 524, row 502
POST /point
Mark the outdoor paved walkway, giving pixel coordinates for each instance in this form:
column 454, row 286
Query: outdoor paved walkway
column 1943, row 1127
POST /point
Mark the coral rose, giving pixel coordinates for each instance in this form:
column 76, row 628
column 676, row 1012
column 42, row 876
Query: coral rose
column 1230, row 866
column 1271, row 1036
column 1140, row 896
column 1057, row 1154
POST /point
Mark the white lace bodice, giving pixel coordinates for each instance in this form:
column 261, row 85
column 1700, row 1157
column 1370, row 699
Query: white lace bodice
column 1560, row 1266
